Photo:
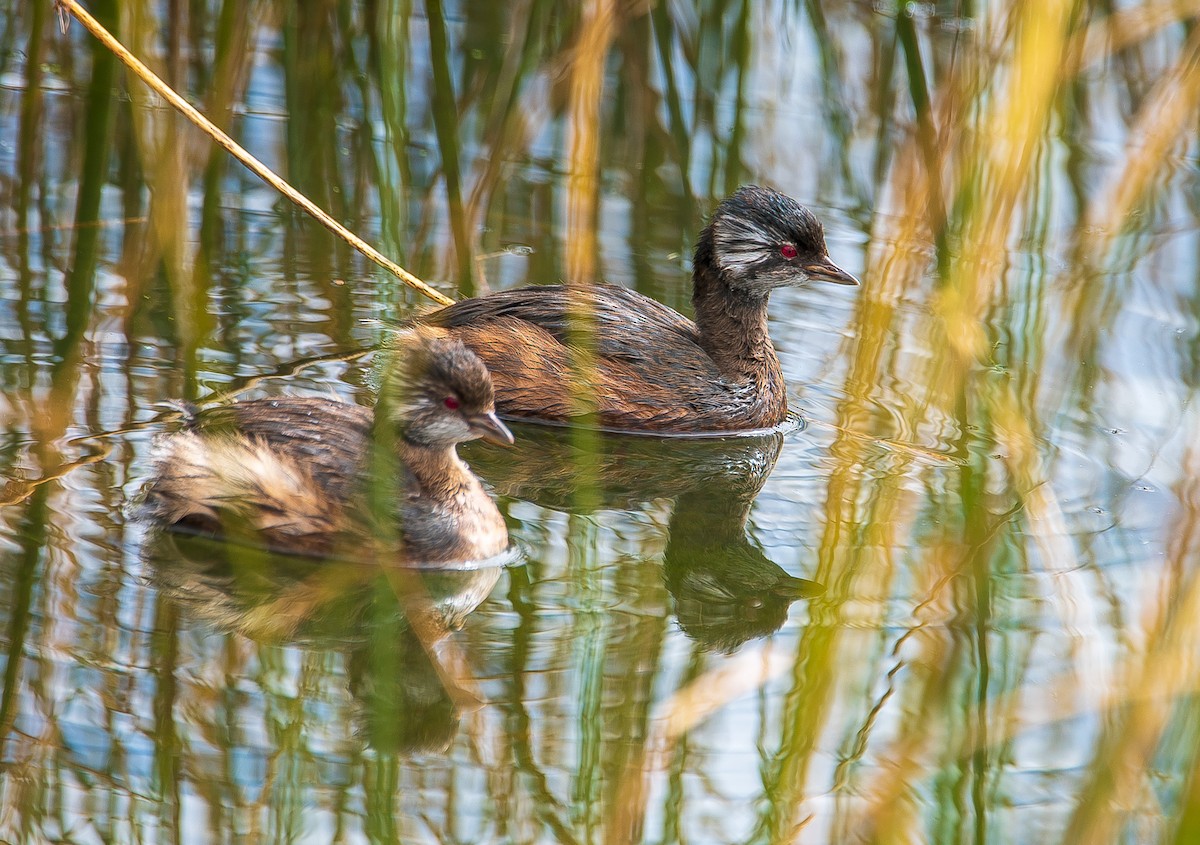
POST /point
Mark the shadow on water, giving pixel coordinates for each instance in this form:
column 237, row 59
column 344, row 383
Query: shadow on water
column 386, row 621
column 725, row 589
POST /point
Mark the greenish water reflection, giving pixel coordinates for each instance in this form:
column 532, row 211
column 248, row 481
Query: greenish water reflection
column 960, row 605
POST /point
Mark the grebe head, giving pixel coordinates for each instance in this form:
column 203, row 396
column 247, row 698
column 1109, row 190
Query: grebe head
column 759, row 240
column 439, row 393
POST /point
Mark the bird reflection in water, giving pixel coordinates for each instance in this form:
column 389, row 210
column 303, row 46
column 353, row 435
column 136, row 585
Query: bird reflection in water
column 726, row 590
column 392, row 624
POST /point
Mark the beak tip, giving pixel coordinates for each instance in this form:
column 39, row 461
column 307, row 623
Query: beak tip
column 491, row 429
column 827, row 271
column 840, row 277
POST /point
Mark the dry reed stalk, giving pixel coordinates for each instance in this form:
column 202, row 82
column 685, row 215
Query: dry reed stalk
column 1151, row 684
column 157, row 138
column 1137, row 706
column 1002, row 178
column 853, row 569
column 1162, row 122
column 597, row 30
column 17, row 490
column 586, row 90
column 687, row 708
column 237, row 151
column 1125, row 28
column 985, row 173
column 71, row 226
column 891, row 814
column 849, row 566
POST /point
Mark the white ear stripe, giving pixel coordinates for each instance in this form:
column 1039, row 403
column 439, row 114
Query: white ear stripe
column 739, row 244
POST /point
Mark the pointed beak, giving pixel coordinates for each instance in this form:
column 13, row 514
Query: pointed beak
column 824, row 270
column 489, row 427
column 797, row 588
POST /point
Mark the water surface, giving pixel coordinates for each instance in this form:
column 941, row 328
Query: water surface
column 994, row 489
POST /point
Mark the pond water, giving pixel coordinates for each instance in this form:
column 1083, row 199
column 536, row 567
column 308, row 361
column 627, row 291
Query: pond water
column 993, row 491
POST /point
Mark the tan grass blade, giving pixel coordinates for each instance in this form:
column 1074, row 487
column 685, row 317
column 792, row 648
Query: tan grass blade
column 257, row 167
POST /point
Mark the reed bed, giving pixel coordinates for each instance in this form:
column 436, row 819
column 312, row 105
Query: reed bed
column 996, row 485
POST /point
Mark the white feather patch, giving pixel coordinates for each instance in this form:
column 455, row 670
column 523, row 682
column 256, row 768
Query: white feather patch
column 738, row 244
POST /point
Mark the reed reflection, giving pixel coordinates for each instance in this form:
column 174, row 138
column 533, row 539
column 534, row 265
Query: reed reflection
column 725, row 589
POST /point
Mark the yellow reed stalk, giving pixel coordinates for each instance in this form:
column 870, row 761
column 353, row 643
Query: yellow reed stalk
column 597, row 30
column 596, row 33
column 1166, row 116
column 157, row 137
column 997, row 162
column 990, row 170
column 1138, row 707
column 1126, row 27
column 891, row 814
column 1153, row 684
column 237, row 151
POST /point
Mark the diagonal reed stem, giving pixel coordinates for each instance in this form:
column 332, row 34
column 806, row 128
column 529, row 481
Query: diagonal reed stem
column 257, row 167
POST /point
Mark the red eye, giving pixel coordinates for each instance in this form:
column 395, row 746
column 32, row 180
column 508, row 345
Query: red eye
column 451, row 403
column 787, row 251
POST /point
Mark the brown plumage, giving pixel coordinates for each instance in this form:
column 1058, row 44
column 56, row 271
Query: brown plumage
column 560, row 352
column 316, row 476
